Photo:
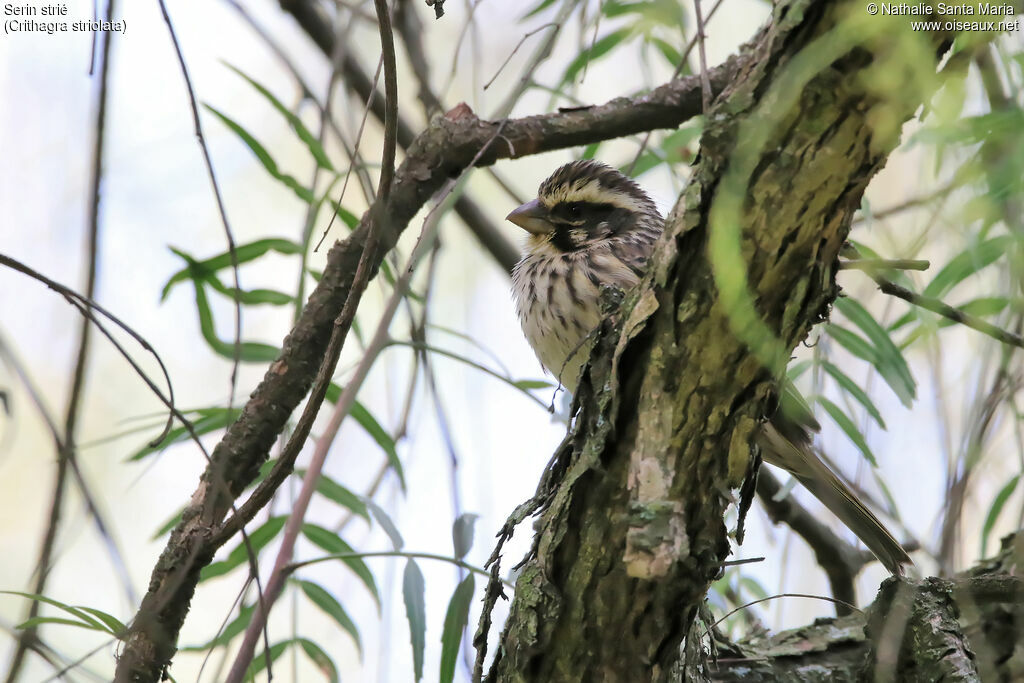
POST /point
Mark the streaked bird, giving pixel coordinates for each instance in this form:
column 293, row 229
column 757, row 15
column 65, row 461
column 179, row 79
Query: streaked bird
column 592, row 226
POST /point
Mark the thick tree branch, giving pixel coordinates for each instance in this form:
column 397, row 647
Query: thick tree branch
column 965, row 629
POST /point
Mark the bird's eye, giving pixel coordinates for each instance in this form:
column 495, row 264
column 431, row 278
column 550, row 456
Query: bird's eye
column 575, row 210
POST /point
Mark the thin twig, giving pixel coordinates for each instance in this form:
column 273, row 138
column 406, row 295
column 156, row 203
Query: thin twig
column 675, row 74
column 949, row 312
column 208, row 161
column 528, row 34
column 876, row 265
column 66, row 445
column 705, row 81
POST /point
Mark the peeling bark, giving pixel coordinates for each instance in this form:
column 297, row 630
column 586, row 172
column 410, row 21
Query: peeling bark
column 632, row 534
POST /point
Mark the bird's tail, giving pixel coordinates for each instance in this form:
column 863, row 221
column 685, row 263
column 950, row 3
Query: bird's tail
column 804, row 464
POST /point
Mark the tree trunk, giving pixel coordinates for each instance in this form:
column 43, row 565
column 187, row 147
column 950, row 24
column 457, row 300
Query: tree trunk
column 631, row 535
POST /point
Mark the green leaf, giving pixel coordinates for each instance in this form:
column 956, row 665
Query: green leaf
column 210, row 420
column 795, row 408
column 240, row 555
column 540, row 7
column 80, row 613
column 114, row 625
column 889, row 361
column 36, row 621
column 846, row 424
column 670, row 52
column 249, row 352
column 332, row 608
column 455, row 620
column 462, row 533
column 168, row 525
column 251, row 297
column 259, row 660
column 320, row 658
column 303, row 193
column 413, row 589
column 967, row 263
column 369, row 423
column 527, row 384
column 243, row 252
column 386, row 523
column 981, row 307
column 333, row 544
column 852, row 342
column 854, row 390
column 332, row 490
column 235, row 627
column 601, row 47
column 314, row 146
column 993, row 512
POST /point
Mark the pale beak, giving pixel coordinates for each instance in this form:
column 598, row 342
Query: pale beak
column 531, row 217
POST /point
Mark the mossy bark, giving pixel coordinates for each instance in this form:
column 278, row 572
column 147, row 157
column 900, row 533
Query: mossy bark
column 632, row 535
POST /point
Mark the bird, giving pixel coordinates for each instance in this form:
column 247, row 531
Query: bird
column 591, row 227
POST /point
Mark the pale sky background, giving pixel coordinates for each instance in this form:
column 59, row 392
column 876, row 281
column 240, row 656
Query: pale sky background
column 155, row 194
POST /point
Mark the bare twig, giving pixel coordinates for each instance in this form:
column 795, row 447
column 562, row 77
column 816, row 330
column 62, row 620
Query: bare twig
column 198, row 128
column 876, row 265
column 949, row 312
column 704, row 80
column 66, row 446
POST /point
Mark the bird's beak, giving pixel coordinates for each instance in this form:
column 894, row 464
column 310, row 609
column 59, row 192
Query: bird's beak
column 531, row 217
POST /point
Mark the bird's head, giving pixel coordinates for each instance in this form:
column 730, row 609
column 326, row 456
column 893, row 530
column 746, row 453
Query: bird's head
column 582, row 204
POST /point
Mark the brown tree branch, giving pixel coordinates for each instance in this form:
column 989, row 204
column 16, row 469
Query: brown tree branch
column 442, row 151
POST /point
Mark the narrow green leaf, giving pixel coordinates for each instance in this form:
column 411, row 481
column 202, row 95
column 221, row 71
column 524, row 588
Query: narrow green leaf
column 263, row 155
column 981, row 307
column 854, row 390
column 849, row 428
column 333, row 544
column 243, row 252
column 240, row 555
column 210, row 420
column 84, row 619
column 967, row 263
column 462, row 533
column 168, row 525
column 114, row 625
column 251, row 297
column 592, row 53
column 454, row 624
column 314, row 146
column 993, row 512
column 795, row 408
column 386, row 523
column 527, row 384
column 36, row 621
column 332, row 490
column 249, row 352
column 890, row 362
column 369, row 423
column 538, row 8
column 853, row 342
column 413, row 589
column 332, row 608
column 320, row 658
column 259, row 660
column 235, row 627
